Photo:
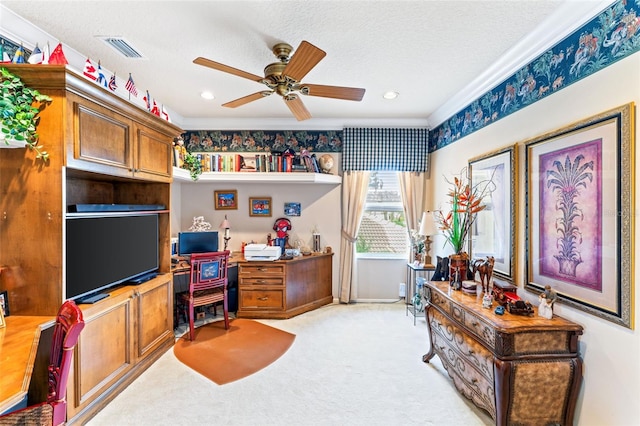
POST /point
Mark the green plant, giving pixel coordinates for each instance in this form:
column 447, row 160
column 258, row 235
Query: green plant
column 19, row 114
column 192, row 163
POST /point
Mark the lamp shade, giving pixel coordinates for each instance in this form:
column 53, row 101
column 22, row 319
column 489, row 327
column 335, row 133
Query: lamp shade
column 225, row 223
column 427, row 224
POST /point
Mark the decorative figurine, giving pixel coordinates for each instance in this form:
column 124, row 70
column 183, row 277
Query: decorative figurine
column 487, row 300
column 484, row 267
column 547, row 299
column 199, row 225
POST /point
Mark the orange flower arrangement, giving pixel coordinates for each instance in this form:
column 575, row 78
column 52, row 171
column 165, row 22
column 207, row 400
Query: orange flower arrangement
column 466, row 203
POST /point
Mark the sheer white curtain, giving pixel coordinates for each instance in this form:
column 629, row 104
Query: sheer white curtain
column 412, row 186
column 354, row 195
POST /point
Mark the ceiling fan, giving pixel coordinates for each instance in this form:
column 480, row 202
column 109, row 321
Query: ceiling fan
column 284, row 78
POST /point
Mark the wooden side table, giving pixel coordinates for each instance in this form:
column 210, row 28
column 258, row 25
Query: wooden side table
column 413, row 271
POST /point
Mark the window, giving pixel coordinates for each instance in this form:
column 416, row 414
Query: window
column 383, row 229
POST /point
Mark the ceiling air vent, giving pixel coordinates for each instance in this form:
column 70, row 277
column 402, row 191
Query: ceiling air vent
column 123, row 47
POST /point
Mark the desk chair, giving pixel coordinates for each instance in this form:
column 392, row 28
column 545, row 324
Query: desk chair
column 207, row 285
column 69, row 324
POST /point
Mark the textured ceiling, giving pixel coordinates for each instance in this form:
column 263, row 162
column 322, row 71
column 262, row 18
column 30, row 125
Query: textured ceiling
column 428, row 51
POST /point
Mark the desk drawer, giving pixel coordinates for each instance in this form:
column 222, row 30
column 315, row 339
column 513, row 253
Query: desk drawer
column 261, row 299
column 261, row 269
column 261, row 281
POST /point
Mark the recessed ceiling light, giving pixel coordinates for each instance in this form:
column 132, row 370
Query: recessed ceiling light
column 207, row 95
column 390, row 95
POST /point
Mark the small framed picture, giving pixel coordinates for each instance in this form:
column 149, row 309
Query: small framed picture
column 2, row 322
column 292, row 209
column 4, row 303
column 226, row 199
column 260, row 206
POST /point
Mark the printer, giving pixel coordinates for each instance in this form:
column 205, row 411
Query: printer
column 261, row 252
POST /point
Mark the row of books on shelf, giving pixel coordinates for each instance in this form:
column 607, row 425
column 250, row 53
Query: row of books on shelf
column 272, row 162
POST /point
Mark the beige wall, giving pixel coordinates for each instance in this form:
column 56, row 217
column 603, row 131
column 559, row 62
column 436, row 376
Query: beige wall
column 320, row 204
column 609, row 394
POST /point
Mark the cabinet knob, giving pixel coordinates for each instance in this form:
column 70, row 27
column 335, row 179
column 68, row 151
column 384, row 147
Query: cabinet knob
column 474, row 381
column 471, row 352
column 474, row 323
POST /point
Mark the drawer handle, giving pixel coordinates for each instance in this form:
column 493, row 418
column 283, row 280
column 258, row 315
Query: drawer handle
column 262, row 269
column 261, row 281
column 471, row 352
column 442, row 348
column 262, row 299
column 474, row 323
column 474, row 381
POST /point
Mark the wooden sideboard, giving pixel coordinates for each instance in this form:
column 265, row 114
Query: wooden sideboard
column 284, row 288
column 522, row 370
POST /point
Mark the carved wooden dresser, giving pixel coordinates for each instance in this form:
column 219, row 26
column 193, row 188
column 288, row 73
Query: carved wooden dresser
column 523, row 370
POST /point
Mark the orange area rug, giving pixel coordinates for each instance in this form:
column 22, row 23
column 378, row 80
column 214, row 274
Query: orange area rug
column 228, row 355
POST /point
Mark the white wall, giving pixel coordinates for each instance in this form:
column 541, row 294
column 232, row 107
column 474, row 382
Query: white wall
column 609, row 394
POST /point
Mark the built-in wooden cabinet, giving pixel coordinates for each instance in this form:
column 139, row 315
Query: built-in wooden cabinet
column 103, row 150
column 284, row 288
column 120, row 332
column 130, row 150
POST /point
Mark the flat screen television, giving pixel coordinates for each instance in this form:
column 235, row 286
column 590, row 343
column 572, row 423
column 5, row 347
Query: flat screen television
column 197, row 242
column 103, row 251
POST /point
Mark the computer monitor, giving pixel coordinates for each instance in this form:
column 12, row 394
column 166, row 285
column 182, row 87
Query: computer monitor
column 197, row 242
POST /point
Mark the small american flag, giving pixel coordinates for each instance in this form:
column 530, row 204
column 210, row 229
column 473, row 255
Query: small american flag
column 131, row 86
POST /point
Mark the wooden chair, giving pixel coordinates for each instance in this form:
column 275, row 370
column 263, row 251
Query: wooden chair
column 207, row 285
column 69, row 324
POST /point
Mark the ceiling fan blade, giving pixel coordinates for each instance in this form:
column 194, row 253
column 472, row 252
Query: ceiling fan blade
column 303, row 60
column 246, row 99
column 225, row 68
column 337, row 92
column 297, row 107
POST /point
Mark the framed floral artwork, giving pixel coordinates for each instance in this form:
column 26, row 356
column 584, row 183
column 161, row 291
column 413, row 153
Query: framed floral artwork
column 579, row 214
column 260, row 206
column 493, row 232
column 226, row 199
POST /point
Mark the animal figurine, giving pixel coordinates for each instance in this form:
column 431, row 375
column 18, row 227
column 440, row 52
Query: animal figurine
column 484, row 267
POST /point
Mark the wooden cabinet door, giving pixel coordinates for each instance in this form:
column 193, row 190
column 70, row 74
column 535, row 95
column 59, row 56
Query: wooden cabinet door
column 154, row 317
column 152, row 155
column 105, row 350
column 101, row 139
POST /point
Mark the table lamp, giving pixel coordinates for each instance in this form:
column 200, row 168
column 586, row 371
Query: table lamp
column 226, row 226
column 427, row 228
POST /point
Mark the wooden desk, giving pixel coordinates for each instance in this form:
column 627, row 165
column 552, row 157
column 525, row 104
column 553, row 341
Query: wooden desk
column 284, row 288
column 18, row 348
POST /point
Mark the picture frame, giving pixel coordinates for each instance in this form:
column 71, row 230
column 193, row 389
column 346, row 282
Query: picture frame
column 292, row 209
column 226, row 199
column 4, row 303
column 580, row 214
column 260, row 206
column 494, row 230
column 3, row 323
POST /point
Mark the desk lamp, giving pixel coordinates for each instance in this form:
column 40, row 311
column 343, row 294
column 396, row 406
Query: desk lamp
column 226, row 225
column 427, row 228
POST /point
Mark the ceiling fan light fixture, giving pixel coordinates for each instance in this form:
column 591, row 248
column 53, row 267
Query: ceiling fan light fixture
column 207, row 95
column 390, row 95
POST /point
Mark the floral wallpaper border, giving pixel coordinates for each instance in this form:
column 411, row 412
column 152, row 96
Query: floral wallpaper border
column 604, row 40
column 262, row 140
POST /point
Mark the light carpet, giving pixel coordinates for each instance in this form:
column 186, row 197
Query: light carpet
column 225, row 356
column 357, row 364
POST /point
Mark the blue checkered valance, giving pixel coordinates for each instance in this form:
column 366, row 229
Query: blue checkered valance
column 402, row 150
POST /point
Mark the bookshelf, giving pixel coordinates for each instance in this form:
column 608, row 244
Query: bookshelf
column 182, row 175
